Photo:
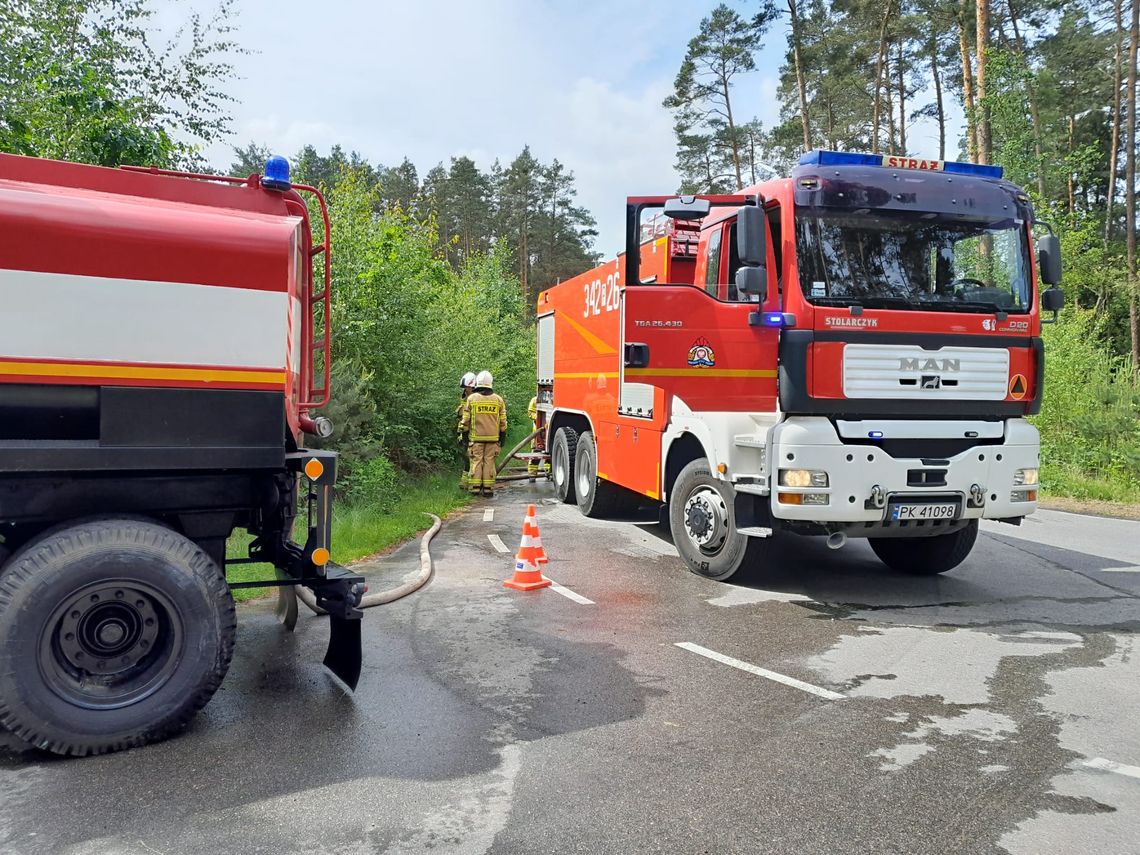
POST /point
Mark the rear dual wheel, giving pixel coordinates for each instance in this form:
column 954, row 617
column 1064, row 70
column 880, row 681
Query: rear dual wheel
column 113, row 634
column 926, row 556
column 597, row 497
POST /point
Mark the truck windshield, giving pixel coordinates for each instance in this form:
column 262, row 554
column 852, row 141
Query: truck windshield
column 933, row 262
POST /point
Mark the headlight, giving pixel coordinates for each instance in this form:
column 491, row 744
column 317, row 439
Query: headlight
column 803, row 478
column 1025, row 477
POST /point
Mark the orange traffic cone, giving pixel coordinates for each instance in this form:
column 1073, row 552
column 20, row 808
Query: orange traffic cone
column 531, row 524
column 527, row 576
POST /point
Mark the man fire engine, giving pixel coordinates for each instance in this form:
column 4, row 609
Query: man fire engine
column 163, row 350
column 850, row 352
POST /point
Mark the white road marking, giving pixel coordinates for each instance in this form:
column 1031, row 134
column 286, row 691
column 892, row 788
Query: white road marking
column 760, row 672
column 489, row 515
column 571, row 595
column 497, row 542
column 1120, row 569
column 1113, row 766
column 748, row 596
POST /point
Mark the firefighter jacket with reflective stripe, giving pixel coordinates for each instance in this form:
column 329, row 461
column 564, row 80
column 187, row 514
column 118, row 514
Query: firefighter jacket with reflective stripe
column 484, row 417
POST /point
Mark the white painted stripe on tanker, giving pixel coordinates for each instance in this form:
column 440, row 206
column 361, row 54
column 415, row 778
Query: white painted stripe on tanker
column 296, row 328
column 94, row 318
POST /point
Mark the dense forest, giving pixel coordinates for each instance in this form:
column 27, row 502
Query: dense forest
column 436, row 273
column 1045, row 88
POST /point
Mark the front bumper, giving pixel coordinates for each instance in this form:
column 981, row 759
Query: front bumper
column 859, row 473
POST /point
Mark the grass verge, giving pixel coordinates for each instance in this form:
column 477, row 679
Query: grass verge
column 360, row 530
column 1060, row 482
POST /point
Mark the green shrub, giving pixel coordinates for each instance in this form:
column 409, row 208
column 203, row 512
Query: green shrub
column 373, row 483
column 1090, row 419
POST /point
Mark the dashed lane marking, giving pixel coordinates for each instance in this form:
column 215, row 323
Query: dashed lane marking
column 1120, row 569
column 489, row 515
column 571, row 595
column 1113, row 766
column 760, row 672
column 497, row 542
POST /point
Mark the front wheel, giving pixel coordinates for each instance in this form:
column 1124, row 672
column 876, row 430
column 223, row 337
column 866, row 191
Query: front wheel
column 112, row 634
column 703, row 525
column 926, row 556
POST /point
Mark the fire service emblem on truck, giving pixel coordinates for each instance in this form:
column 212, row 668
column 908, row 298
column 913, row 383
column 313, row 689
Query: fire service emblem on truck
column 701, row 354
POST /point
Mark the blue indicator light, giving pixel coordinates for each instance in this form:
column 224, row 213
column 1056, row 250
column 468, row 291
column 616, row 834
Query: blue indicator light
column 772, row 319
column 875, row 434
column 982, row 169
column 819, row 157
column 276, row 174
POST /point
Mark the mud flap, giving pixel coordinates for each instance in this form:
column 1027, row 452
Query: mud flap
column 287, row 606
column 345, row 656
column 339, row 594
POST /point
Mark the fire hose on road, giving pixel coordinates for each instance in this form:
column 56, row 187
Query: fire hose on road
column 411, row 583
column 510, row 455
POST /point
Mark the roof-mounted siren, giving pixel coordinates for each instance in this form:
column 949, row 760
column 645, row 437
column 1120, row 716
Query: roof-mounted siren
column 822, row 157
column 276, row 174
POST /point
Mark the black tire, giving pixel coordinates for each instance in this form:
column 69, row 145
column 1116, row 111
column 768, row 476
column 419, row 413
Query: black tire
column 720, row 559
column 597, row 497
column 562, row 453
column 926, row 556
column 113, row 634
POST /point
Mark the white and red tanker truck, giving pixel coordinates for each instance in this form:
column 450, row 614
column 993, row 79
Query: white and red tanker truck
column 163, row 352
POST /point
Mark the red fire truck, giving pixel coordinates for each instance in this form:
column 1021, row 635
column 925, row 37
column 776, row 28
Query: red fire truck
column 163, row 349
column 850, row 352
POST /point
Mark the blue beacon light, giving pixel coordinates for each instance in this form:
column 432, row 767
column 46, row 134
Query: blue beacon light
column 276, row 174
column 875, row 434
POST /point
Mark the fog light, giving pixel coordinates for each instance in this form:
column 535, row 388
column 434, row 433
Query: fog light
column 1023, row 495
column 1026, row 477
column 815, row 498
column 803, row 478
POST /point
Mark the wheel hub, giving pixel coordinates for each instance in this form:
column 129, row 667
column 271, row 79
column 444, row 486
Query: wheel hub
column 110, row 644
column 706, row 519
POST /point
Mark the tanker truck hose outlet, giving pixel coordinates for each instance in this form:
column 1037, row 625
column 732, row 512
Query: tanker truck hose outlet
column 412, row 582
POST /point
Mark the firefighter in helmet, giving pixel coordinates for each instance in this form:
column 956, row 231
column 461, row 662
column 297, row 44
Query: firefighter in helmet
column 536, row 444
column 466, row 387
column 484, row 421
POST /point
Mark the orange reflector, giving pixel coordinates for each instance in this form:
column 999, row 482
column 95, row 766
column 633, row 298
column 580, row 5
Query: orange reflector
column 1031, row 495
column 791, row 498
column 314, row 468
column 721, row 468
column 321, row 556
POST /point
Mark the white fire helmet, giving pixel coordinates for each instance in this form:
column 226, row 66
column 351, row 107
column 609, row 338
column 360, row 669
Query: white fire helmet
column 468, row 380
column 485, row 380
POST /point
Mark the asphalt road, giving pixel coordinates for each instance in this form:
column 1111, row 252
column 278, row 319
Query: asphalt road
column 991, row 710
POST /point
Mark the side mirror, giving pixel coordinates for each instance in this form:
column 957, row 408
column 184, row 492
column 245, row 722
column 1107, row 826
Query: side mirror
column 1049, row 259
column 753, row 281
column 751, row 236
column 1052, row 300
column 687, row 208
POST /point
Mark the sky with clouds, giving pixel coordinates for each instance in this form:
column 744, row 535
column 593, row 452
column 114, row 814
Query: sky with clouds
column 577, row 80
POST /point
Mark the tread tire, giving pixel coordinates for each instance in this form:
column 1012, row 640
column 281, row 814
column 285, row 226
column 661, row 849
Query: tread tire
column 565, row 443
column 42, row 577
column 739, row 552
column 926, row 556
column 600, row 499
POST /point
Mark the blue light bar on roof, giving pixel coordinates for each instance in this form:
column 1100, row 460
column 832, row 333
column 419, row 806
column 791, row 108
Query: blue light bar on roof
column 821, row 157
